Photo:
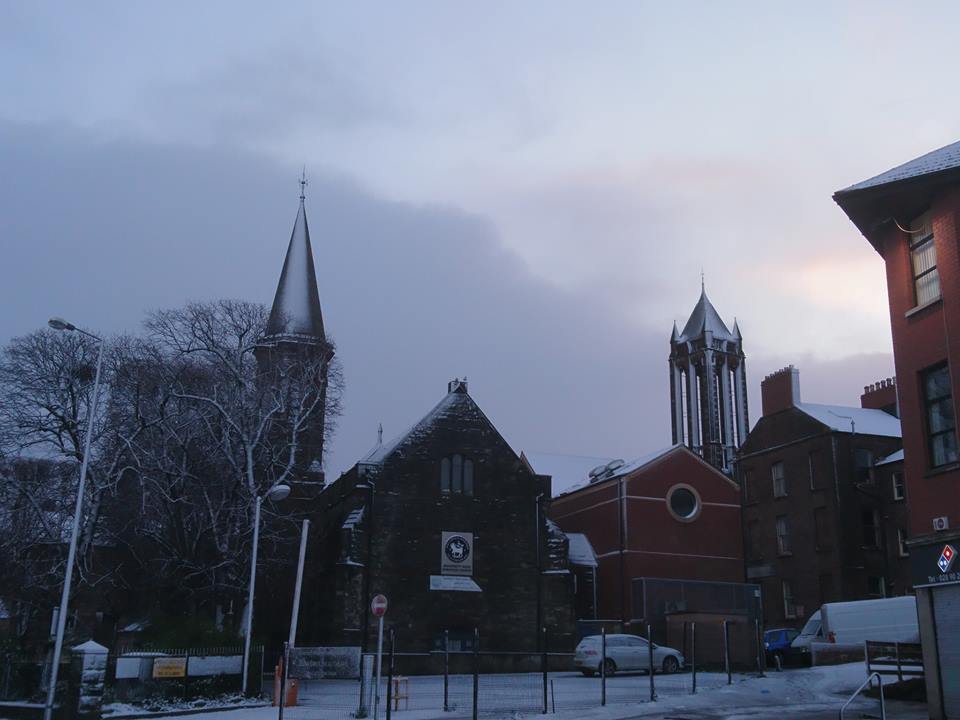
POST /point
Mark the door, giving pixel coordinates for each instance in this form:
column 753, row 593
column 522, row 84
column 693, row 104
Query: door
column 946, row 613
column 639, row 653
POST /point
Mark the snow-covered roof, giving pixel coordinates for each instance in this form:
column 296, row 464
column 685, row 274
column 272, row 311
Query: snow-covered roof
column 895, row 457
column 443, row 409
column 581, row 551
column 863, row 421
column 945, row 158
column 567, row 471
column 296, row 306
column 705, row 318
column 621, row 471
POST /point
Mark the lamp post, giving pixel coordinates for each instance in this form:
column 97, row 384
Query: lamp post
column 277, row 492
column 60, row 324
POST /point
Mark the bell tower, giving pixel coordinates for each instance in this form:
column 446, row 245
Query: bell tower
column 294, row 341
column 708, row 386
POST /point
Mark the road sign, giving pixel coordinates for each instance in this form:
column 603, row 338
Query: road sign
column 378, row 606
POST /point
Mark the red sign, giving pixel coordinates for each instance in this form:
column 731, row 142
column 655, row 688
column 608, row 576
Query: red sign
column 378, row 606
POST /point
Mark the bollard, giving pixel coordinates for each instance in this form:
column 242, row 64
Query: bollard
column 653, row 692
column 693, row 656
column 476, row 669
column 390, row 672
column 726, row 651
column 761, row 653
column 446, row 671
column 603, row 666
column 543, row 667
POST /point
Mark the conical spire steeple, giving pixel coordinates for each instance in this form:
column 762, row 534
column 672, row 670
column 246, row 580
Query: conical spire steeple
column 296, row 306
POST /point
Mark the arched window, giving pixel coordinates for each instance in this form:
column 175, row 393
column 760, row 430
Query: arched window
column 445, row 475
column 457, row 483
column 456, row 475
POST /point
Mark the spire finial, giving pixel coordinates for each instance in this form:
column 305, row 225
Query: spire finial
column 703, row 285
column 380, row 434
column 303, row 183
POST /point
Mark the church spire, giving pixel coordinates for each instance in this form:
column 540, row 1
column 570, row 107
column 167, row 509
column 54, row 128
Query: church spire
column 296, row 306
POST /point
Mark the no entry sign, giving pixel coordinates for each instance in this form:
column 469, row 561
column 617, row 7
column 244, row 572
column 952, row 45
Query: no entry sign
column 378, row 606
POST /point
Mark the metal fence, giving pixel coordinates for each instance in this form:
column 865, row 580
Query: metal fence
column 485, row 682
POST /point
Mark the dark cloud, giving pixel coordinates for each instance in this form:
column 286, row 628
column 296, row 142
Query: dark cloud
column 414, row 295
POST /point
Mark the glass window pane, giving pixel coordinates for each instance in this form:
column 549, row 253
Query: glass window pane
column 468, row 477
column 937, row 383
column 941, row 415
column 924, row 257
column 457, row 484
column 445, row 475
column 928, row 287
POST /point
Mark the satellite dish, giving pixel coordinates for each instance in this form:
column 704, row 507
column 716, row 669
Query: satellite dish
column 598, row 471
column 614, row 465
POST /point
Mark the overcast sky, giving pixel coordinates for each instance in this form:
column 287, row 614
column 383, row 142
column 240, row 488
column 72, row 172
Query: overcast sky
column 523, row 193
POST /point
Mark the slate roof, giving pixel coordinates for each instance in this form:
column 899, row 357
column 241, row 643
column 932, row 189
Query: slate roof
column 890, row 459
column 703, row 318
column 945, row 158
column 296, row 306
column 581, row 551
column 865, row 421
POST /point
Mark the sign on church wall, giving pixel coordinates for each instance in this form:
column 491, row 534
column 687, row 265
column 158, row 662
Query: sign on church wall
column 456, row 553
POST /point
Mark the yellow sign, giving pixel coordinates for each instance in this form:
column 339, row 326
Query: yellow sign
column 169, row 667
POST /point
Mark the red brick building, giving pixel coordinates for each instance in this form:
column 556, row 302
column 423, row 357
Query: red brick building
column 817, row 520
column 911, row 216
column 666, row 515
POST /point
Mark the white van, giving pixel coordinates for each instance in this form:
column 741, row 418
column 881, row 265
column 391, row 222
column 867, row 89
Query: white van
column 851, row 623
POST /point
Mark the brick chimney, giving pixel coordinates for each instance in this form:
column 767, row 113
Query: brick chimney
column 780, row 390
column 457, row 385
column 881, row 396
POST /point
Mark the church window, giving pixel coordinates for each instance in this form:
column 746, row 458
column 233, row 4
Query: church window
column 683, row 503
column 923, row 260
column 899, row 488
column 941, row 425
column 456, row 475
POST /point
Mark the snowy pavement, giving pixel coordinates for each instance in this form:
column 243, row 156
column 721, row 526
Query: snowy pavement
column 808, row 693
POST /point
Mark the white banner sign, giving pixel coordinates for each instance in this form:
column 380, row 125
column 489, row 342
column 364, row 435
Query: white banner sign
column 454, row 583
column 456, row 553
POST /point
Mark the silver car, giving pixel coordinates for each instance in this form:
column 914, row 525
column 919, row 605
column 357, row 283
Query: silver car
column 624, row 652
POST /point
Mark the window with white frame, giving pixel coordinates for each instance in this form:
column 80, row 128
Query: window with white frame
column 923, row 260
column 902, row 542
column 899, row 487
column 783, row 536
column 779, row 479
column 789, row 606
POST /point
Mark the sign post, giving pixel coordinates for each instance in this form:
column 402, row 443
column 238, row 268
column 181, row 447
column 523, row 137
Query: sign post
column 378, row 606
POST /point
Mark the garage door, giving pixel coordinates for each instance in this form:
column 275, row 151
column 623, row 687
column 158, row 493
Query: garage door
column 946, row 609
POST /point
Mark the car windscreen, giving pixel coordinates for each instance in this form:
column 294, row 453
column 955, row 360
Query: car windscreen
column 813, row 625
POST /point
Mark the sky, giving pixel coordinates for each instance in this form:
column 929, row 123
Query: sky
column 522, row 193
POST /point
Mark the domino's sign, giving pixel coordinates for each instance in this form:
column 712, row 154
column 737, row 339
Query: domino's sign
column 945, row 560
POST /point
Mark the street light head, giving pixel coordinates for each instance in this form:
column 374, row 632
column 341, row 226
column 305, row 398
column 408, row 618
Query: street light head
column 278, row 492
column 60, row 324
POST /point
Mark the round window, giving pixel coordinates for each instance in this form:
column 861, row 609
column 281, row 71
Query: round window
column 684, row 503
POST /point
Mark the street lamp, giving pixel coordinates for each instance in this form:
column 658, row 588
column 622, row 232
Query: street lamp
column 277, row 492
column 61, row 324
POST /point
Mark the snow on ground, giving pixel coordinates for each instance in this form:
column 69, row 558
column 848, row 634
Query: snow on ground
column 578, row 698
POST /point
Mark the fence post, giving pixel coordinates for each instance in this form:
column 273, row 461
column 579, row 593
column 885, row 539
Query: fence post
column 761, row 654
column 693, row 656
column 899, row 665
column 653, row 692
column 543, row 667
column 446, row 671
column 553, row 698
column 603, row 666
column 476, row 669
column 186, row 676
column 726, row 651
column 390, row 672
column 283, row 680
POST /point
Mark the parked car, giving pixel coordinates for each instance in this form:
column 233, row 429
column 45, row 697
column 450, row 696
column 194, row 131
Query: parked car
column 625, row 652
column 777, row 644
column 851, row 623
